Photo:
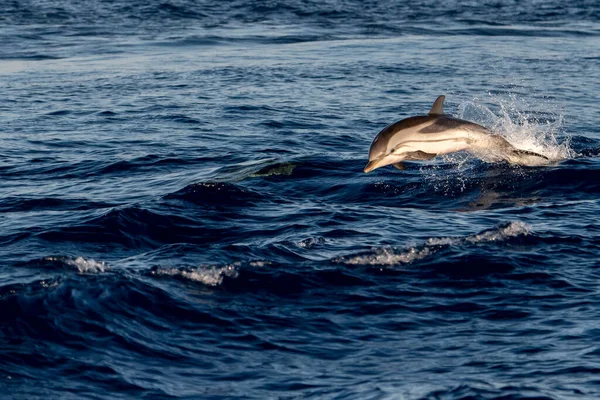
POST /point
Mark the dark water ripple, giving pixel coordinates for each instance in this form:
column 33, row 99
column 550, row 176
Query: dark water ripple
column 183, row 210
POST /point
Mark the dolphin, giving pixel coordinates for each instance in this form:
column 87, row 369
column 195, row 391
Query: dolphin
column 423, row 137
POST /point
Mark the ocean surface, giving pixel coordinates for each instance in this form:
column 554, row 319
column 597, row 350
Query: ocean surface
column 184, row 213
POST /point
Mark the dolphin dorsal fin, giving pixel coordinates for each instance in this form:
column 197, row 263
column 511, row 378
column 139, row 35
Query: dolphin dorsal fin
column 438, row 106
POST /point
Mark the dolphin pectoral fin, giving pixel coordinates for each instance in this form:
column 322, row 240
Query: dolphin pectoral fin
column 528, row 153
column 438, row 106
column 420, row 155
column 400, row 165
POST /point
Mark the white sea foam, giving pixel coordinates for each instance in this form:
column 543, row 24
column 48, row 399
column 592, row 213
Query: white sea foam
column 83, row 265
column 513, row 229
column 208, row 275
column 388, row 256
column 49, row 283
column 260, row 263
column 310, row 242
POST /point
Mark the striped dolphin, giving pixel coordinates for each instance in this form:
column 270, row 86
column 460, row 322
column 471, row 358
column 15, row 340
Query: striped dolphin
column 425, row 136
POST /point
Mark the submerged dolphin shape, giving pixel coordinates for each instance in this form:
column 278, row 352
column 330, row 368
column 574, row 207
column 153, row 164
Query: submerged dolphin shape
column 425, row 136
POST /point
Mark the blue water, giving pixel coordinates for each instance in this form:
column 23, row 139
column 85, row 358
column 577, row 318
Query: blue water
column 184, row 212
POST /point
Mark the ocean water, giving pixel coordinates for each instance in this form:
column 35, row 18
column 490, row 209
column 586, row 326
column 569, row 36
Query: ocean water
column 183, row 212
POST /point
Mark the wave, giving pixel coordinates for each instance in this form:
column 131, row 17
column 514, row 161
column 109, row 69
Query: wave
column 62, row 169
column 208, row 275
column 389, row 256
column 143, row 163
column 29, row 56
column 283, row 168
column 221, row 22
column 368, row 32
column 82, row 265
column 216, row 194
column 135, row 227
column 485, row 392
column 210, row 40
column 61, row 11
column 22, row 204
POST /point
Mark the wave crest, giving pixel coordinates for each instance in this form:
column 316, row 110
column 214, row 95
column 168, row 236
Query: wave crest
column 208, row 275
column 216, row 193
column 388, row 256
column 83, row 265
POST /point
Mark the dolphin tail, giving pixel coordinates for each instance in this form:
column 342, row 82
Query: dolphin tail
column 510, row 153
column 528, row 158
column 518, row 153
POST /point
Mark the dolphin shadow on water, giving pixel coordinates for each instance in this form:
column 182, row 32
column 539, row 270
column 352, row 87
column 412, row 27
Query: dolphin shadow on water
column 423, row 137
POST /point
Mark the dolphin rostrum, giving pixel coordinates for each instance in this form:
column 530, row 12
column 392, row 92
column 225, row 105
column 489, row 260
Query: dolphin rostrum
column 425, row 136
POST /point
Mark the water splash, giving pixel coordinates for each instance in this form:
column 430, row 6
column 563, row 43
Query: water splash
column 536, row 131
